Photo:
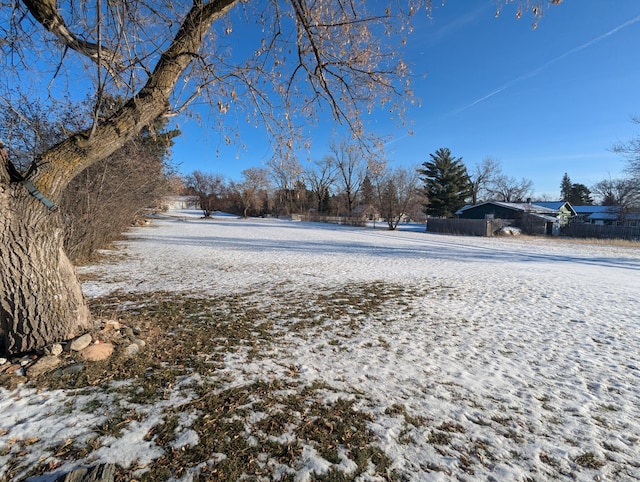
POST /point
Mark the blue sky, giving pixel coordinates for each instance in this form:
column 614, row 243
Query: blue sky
column 542, row 102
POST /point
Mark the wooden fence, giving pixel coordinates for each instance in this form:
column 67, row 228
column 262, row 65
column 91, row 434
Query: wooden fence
column 353, row 221
column 468, row 227
column 585, row 230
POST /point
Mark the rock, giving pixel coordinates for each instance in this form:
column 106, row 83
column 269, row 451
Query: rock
column 111, row 325
column 127, row 332
column 72, row 369
column 99, row 473
column 54, row 350
column 510, row 231
column 96, row 352
column 131, row 350
column 141, row 343
column 26, row 360
column 81, row 342
column 3, row 361
column 10, row 368
column 43, row 365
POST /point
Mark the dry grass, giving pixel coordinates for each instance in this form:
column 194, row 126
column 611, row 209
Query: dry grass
column 256, row 424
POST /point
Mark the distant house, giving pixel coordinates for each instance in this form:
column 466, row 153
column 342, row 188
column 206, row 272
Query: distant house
column 606, row 216
column 367, row 212
column 532, row 218
column 583, row 212
column 171, row 203
column 565, row 211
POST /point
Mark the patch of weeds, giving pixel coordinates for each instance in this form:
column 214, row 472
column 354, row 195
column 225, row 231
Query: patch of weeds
column 227, row 424
column 501, row 420
column 439, row 438
column 396, row 409
column 183, row 335
column 93, row 405
column 113, row 426
column 76, row 453
column 415, row 420
column 404, row 437
column 354, row 301
column 555, row 420
column 334, row 425
column 513, row 435
column 589, row 460
column 482, row 451
column 451, row 427
column 466, row 464
column 165, row 432
column 67, row 450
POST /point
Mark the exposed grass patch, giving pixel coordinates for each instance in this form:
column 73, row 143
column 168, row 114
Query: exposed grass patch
column 241, row 431
column 437, row 437
column 589, row 460
column 226, row 425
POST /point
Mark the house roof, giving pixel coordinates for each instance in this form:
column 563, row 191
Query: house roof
column 594, row 209
column 612, row 216
column 545, row 217
column 523, row 207
column 557, row 205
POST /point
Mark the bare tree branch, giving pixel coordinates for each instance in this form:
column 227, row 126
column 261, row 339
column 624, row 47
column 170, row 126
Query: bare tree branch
column 46, row 12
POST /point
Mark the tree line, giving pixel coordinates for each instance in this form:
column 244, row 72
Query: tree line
column 356, row 185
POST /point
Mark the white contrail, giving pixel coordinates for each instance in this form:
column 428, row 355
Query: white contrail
column 536, row 71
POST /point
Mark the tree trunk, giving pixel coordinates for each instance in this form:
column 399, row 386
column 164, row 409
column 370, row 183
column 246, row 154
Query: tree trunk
column 41, row 299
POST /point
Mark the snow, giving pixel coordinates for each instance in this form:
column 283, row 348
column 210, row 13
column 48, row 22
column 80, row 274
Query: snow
column 527, row 349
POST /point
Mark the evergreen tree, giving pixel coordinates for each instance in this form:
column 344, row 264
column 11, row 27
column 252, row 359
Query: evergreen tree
column 580, row 195
column 565, row 188
column 325, row 205
column 575, row 193
column 367, row 191
column 446, row 183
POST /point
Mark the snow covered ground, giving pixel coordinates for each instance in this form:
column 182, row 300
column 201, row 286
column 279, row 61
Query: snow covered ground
column 500, row 358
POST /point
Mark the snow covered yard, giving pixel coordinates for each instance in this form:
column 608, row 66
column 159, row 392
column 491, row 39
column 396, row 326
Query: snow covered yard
column 298, row 351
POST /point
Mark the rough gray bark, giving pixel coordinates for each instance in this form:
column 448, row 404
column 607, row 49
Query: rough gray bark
column 41, row 299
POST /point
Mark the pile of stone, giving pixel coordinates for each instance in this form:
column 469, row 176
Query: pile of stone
column 69, row 357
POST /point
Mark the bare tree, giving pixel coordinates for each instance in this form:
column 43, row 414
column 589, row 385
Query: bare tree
column 160, row 55
column 631, row 151
column 508, row 189
column 489, row 183
column 351, row 169
column 623, row 195
column 209, row 188
column 482, row 178
column 321, row 175
column 253, row 189
column 285, row 172
column 399, row 194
